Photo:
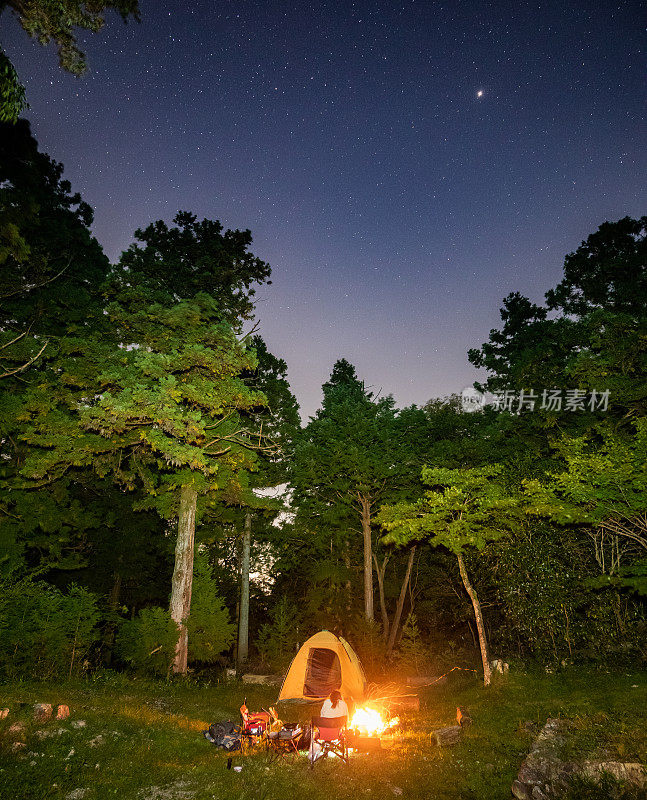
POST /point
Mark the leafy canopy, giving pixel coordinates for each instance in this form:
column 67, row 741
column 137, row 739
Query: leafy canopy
column 462, row 508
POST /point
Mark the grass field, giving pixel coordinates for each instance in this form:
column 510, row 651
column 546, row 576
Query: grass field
column 142, row 740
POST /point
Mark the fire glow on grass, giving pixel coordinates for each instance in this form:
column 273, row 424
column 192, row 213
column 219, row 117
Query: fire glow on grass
column 370, row 722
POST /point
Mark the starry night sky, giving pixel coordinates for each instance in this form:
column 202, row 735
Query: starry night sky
column 396, row 206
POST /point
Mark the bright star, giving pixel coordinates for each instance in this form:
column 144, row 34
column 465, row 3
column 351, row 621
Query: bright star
column 479, row 93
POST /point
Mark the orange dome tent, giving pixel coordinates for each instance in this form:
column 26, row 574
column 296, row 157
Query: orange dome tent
column 325, row 662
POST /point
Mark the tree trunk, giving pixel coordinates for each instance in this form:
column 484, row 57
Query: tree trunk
column 111, row 627
column 400, row 605
column 368, row 560
column 380, row 586
column 487, row 672
column 349, row 586
column 183, row 574
column 243, row 622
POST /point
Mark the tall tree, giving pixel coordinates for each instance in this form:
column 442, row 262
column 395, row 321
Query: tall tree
column 356, row 452
column 279, row 421
column 168, row 400
column 462, row 509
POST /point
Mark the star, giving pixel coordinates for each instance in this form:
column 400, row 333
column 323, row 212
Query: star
column 479, row 93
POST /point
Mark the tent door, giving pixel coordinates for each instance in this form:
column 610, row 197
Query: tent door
column 323, row 672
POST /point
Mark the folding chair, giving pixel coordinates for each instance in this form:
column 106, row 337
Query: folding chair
column 254, row 727
column 328, row 733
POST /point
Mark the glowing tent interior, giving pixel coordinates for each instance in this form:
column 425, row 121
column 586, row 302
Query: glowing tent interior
column 324, row 662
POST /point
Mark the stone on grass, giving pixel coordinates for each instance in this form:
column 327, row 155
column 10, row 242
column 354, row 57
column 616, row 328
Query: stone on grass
column 62, row 712
column 78, row 723
column 18, row 746
column 76, row 794
column 264, row 680
column 42, row 712
column 4, row 713
column 16, row 729
column 633, row 773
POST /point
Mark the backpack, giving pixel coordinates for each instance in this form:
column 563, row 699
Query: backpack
column 225, row 735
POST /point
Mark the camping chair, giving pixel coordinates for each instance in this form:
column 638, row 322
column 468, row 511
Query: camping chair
column 254, row 727
column 328, row 734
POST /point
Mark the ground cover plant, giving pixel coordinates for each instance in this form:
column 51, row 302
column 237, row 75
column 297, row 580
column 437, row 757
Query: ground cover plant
column 142, row 739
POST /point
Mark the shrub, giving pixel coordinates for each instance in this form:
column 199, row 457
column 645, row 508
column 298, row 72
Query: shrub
column 147, row 643
column 412, row 654
column 45, row 633
column 210, row 630
column 365, row 637
column 277, row 640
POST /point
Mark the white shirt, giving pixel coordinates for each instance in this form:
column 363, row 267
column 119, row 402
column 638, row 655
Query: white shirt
column 327, row 711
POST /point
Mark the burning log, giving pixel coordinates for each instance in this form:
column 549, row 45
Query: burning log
column 447, row 736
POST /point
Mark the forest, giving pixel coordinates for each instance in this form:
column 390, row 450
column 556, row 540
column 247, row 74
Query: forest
column 165, row 511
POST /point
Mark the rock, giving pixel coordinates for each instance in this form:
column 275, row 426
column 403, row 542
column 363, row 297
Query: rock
column 78, row 723
column 4, row 713
column 265, row 680
column 633, row 773
column 16, row 746
column 447, row 736
column 542, row 768
column 230, row 674
column 17, row 729
column 62, row 712
column 500, row 666
column 76, row 794
column 42, row 712
column 97, row 741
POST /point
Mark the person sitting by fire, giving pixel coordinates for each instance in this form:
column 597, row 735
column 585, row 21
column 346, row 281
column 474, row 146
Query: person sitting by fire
column 334, row 706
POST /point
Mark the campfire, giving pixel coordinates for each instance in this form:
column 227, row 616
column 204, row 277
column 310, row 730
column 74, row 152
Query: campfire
column 370, row 722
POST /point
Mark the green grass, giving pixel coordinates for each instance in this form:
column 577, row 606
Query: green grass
column 150, row 737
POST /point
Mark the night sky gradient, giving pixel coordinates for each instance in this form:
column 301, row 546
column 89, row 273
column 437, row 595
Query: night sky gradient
column 396, row 207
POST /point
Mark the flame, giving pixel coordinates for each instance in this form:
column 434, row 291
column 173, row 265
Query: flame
column 370, row 722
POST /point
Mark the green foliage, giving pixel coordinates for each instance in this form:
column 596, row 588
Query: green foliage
column 278, row 639
column 463, row 508
column 147, row 643
column 45, row 633
column 210, row 630
column 12, row 92
column 537, row 578
column 192, row 257
column 608, row 270
column 604, row 483
column 366, row 639
column 412, row 653
column 54, row 21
